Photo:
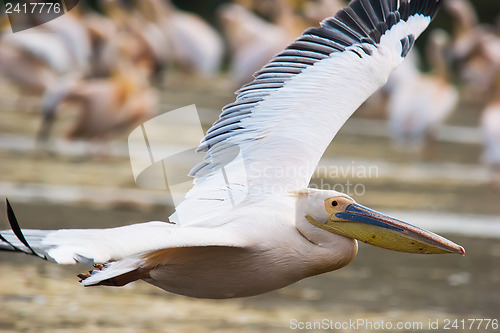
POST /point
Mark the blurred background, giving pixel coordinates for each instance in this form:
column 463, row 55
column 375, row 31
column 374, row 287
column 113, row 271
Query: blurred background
column 426, row 148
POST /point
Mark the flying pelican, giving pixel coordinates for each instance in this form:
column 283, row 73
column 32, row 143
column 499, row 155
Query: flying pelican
column 278, row 231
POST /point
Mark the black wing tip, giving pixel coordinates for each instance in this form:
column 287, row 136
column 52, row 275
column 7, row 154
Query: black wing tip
column 366, row 21
column 11, row 216
column 10, row 213
column 425, row 7
column 16, row 229
column 436, row 8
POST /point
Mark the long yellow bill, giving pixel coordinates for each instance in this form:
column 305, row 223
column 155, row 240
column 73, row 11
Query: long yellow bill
column 372, row 227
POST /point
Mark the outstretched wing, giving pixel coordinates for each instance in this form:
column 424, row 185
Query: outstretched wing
column 282, row 122
column 92, row 246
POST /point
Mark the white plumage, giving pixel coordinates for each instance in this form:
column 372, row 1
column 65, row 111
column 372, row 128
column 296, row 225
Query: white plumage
column 225, row 244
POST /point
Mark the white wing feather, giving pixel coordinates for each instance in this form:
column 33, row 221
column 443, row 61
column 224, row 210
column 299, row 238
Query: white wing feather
column 274, row 134
column 283, row 125
column 92, row 246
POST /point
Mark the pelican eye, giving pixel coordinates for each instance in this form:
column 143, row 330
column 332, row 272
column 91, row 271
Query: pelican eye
column 335, row 204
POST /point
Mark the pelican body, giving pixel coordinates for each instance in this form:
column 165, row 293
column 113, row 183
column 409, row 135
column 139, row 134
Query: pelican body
column 259, row 228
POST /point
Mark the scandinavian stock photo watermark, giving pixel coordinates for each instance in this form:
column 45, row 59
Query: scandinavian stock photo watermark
column 352, row 174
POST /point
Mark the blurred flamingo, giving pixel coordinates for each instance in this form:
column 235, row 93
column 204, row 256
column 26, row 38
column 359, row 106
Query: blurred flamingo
column 190, row 41
column 475, row 48
column 105, row 106
column 252, row 40
column 490, row 128
column 419, row 102
column 315, row 10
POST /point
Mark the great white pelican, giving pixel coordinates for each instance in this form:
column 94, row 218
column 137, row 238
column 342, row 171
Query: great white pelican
column 282, row 122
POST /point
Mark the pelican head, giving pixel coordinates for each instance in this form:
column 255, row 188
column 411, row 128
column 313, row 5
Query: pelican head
column 338, row 213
